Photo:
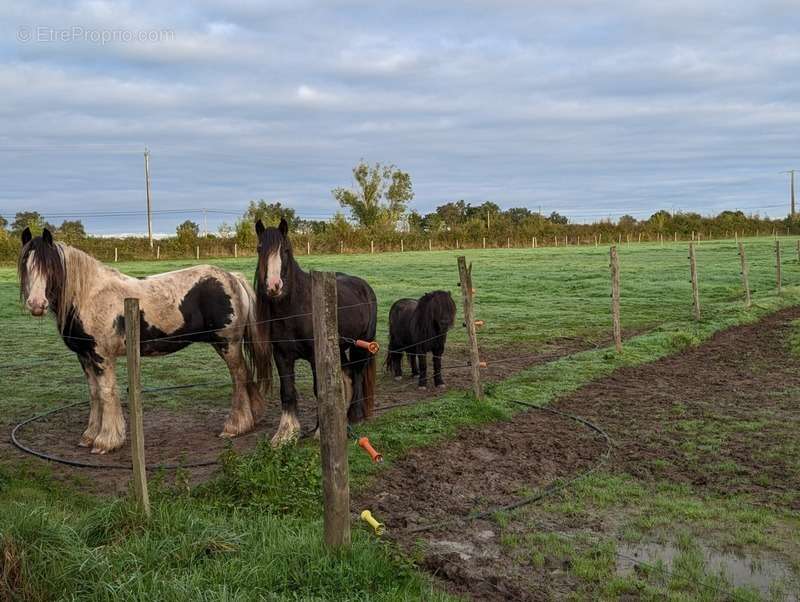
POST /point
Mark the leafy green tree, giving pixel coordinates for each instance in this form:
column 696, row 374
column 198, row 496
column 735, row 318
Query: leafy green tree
column 3, row 223
column 454, row 213
column 187, row 233
column 627, row 222
column 659, row 221
column 269, row 213
column 72, row 230
column 557, row 218
column 518, row 215
column 29, row 219
column 480, row 211
column 380, row 196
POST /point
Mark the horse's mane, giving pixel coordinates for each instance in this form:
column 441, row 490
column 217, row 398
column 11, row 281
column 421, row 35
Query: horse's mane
column 68, row 271
column 434, row 314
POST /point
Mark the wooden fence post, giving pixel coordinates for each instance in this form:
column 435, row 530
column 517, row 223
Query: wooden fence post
column 308, row 247
column 695, row 292
column 745, row 278
column 341, row 246
column 132, row 342
column 197, row 251
column 465, row 276
column 430, row 245
column 458, row 245
column 158, row 252
column 401, row 246
column 332, row 411
column 372, row 246
column 235, row 250
column 484, row 242
column 617, row 329
column 116, row 255
column 508, row 243
column 798, row 250
column 778, row 265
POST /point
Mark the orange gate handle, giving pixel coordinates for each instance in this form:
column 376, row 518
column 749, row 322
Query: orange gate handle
column 363, row 442
column 371, row 346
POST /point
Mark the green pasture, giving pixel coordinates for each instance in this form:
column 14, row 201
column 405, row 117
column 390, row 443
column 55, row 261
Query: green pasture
column 255, row 531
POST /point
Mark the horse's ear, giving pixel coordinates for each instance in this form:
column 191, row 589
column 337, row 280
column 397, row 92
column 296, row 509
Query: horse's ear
column 47, row 237
column 26, row 236
column 283, row 227
column 259, row 227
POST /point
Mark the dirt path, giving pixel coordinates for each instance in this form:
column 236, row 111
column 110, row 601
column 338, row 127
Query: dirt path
column 189, row 435
column 730, row 402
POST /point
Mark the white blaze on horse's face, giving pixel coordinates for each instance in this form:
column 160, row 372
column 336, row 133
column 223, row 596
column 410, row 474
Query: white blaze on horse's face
column 36, row 295
column 274, row 265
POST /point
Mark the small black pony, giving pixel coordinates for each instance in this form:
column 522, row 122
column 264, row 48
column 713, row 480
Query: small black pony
column 283, row 308
column 417, row 327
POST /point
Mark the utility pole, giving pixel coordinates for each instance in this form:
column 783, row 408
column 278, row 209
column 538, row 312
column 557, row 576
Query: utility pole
column 147, row 185
column 205, row 222
column 791, row 191
column 488, row 225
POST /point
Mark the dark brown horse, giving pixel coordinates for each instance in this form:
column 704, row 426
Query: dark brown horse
column 283, row 307
column 418, row 327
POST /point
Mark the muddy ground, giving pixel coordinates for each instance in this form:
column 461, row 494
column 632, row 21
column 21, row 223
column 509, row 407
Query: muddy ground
column 189, row 434
column 744, row 374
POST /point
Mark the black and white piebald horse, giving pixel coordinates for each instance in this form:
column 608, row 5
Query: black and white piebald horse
column 201, row 304
column 283, row 293
column 418, row 327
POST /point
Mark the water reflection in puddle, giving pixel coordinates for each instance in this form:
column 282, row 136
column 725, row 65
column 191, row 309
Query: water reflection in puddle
column 768, row 577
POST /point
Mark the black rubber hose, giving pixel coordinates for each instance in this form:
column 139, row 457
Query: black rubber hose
column 44, row 456
column 547, row 491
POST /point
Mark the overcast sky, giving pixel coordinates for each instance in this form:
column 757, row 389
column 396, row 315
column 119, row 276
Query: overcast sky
column 588, row 108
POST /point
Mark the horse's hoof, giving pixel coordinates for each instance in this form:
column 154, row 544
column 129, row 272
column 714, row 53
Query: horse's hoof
column 226, row 435
column 279, row 440
column 85, row 442
column 99, row 451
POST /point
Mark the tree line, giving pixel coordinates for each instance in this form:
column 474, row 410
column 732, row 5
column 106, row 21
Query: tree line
column 377, row 204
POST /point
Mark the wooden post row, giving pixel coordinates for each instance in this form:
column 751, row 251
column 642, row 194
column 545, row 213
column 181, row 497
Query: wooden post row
column 197, row 251
column 778, row 265
column 116, row 255
column 465, row 276
column 745, row 276
column 158, row 252
column 695, row 292
column 332, row 410
column 236, row 250
column 615, row 323
column 132, row 342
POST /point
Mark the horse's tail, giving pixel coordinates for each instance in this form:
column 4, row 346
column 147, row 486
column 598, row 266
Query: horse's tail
column 391, row 354
column 368, row 386
column 256, row 345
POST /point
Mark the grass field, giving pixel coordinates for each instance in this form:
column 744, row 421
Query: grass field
column 256, row 530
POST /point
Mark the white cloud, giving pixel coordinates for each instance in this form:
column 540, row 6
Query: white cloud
column 649, row 101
